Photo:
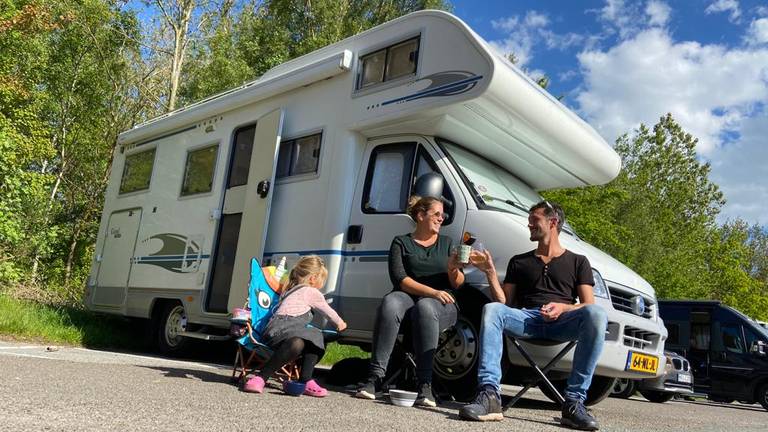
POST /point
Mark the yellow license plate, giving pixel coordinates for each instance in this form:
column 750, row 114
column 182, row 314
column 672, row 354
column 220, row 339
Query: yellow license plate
column 639, row 362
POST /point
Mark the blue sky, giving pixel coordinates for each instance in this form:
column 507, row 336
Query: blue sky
column 620, row 63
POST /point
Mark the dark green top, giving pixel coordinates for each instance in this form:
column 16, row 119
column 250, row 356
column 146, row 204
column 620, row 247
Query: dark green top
column 426, row 265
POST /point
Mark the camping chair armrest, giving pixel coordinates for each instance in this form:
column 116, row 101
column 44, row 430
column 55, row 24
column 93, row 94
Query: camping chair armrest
column 250, row 334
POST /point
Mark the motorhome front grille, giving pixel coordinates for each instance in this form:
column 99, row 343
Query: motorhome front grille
column 681, row 364
column 638, row 338
column 624, row 301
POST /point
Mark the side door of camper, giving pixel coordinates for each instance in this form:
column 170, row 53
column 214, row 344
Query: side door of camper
column 244, row 211
column 390, row 169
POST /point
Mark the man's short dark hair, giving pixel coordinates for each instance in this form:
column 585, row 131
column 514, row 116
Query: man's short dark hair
column 552, row 210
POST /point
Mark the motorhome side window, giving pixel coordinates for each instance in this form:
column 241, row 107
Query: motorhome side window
column 387, row 64
column 198, row 172
column 137, row 171
column 299, row 156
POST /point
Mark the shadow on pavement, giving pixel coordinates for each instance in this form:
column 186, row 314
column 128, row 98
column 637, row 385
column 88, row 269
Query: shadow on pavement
column 202, row 375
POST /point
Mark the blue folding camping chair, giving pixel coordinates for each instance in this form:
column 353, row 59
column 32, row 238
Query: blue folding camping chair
column 252, row 352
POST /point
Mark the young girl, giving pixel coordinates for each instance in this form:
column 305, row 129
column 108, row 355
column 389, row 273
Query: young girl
column 287, row 332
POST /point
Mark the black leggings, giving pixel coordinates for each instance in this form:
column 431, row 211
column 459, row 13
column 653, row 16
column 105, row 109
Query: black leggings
column 290, row 350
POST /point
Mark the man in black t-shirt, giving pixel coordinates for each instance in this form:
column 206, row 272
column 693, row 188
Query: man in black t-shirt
column 542, row 287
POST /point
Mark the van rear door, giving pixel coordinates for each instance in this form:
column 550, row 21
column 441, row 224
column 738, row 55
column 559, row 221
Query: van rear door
column 245, row 211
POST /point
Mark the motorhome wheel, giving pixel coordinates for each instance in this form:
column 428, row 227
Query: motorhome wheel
column 624, row 388
column 170, row 322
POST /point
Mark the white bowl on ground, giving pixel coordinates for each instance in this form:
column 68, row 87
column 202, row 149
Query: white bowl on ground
column 402, row 398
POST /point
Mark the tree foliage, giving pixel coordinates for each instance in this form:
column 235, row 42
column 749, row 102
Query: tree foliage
column 75, row 73
column 659, row 218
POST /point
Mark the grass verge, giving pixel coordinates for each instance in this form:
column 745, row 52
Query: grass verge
column 335, row 352
column 26, row 320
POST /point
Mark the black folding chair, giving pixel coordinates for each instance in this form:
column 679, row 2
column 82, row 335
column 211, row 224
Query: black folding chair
column 541, row 373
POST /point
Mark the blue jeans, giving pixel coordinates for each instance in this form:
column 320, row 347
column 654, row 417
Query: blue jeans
column 586, row 325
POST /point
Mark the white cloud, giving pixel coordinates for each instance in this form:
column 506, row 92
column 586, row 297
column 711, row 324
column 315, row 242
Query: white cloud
column 524, row 33
column 758, row 32
column 718, row 94
column 731, row 6
column 707, row 88
column 740, row 170
column 658, row 13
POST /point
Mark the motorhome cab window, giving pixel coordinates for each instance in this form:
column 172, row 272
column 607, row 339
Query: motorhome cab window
column 299, row 156
column 198, row 172
column 137, row 171
column 493, row 186
column 388, row 63
column 392, row 172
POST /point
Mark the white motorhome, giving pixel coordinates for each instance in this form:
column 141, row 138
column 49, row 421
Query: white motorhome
column 319, row 156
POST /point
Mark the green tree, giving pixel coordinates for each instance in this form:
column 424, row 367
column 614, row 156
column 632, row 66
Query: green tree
column 657, row 216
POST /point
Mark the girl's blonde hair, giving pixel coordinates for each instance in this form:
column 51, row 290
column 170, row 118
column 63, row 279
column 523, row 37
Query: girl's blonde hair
column 417, row 204
column 306, row 266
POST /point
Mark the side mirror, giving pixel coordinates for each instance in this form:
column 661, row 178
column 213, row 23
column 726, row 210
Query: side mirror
column 431, row 185
column 757, row 348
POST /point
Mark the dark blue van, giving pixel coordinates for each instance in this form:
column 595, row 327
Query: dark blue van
column 726, row 349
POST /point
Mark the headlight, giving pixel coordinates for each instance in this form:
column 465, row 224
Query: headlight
column 600, row 289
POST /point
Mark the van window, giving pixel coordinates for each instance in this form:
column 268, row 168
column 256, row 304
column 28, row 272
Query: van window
column 388, row 178
column 299, row 156
column 387, row 64
column 198, row 172
column 674, row 334
column 392, row 172
column 241, row 156
column 732, row 339
column 137, row 171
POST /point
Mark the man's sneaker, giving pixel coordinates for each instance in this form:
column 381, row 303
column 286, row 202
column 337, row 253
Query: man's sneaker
column 575, row 416
column 367, row 390
column 485, row 407
column 425, row 396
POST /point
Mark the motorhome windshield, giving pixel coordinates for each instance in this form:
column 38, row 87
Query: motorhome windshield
column 494, row 187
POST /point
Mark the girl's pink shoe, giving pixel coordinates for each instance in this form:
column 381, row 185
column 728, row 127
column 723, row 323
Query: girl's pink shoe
column 314, row 389
column 255, row 384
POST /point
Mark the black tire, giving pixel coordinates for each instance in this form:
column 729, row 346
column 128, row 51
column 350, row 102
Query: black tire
column 455, row 365
column 762, row 396
column 624, row 388
column 657, row 396
column 600, row 389
column 169, row 320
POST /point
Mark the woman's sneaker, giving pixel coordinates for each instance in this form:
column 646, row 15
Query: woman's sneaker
column 485, row 407
column 576, row 416
column 425, row 396
column 255, row 384
column 367, row 390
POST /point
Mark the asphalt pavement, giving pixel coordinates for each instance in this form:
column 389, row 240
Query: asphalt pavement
column 74, row 389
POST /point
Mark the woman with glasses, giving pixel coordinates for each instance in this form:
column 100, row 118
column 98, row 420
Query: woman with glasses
column 424, row 271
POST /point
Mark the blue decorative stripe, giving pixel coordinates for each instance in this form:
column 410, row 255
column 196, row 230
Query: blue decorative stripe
column 449, row 86
column 325, row 252
column 330, row 252
column 171, row 257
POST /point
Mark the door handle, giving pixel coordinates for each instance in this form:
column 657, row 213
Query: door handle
column 354, row 234
column 263, row 188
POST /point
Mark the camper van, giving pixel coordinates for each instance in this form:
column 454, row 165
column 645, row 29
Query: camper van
column 726, row 349
column 319, row 156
